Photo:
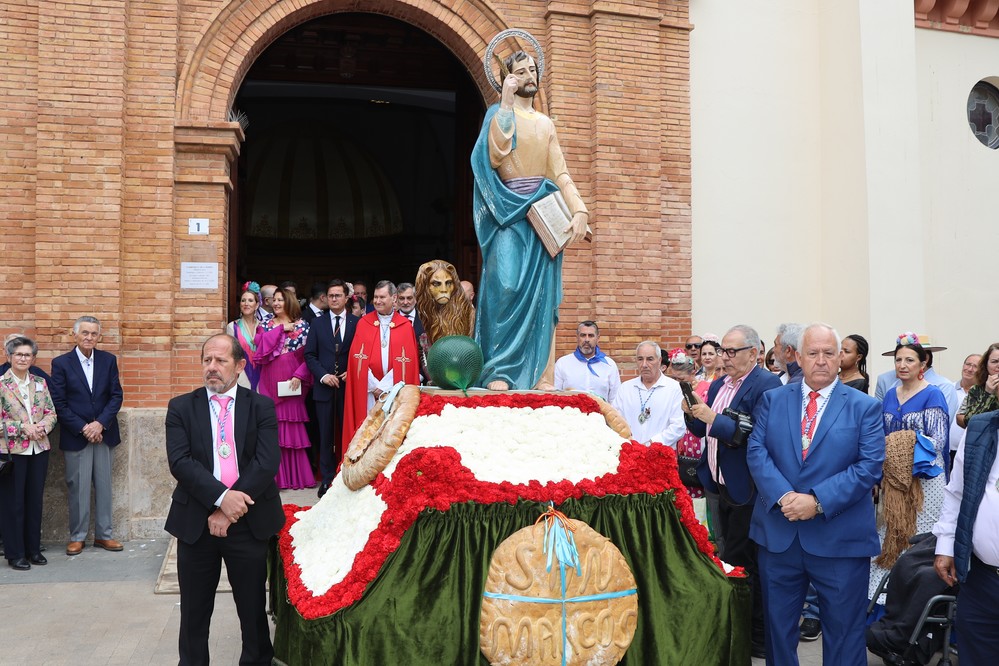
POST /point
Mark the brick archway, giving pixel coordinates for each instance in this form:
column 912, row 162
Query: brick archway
column 207, row 143
column 240, row 31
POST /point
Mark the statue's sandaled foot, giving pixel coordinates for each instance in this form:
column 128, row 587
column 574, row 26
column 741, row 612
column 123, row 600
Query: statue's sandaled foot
column 498, row 385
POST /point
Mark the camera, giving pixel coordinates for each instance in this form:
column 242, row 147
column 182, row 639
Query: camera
column 743, row 427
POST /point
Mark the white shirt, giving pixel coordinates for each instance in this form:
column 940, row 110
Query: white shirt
column 88, row 367
column 985, row 532
column 316, row 311
column 411, row 316
column 386, row 382
column 820, row 402
column 571, row 373
column 343, row 327
column 957, row 433
column 665, row 418
column 214, row 407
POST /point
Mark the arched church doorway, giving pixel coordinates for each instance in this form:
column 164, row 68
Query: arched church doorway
column 358, row 131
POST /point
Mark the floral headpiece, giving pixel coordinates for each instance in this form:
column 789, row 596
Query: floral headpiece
column 679, row 357
column 910, row 338
column 251, row 286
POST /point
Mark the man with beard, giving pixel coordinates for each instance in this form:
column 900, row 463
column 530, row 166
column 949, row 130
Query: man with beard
column 588, row 368
column 222, row 447
column 517, row 161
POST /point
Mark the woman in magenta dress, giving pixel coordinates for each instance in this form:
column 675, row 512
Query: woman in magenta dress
column 280, row 355
column 244, row 329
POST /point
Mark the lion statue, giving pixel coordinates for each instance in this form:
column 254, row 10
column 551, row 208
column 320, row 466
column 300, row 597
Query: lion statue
column 441, row 303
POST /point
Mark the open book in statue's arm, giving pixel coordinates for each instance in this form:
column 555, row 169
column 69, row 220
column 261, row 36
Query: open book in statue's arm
column 552, row 222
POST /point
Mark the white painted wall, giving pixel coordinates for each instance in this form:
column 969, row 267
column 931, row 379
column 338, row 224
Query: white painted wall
column 834, row 175
column 960, row 179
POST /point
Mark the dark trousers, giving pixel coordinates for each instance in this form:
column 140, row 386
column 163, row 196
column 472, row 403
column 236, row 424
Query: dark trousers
column 199, row 566
column 841, row 584
column 312, row 429
column 740, row 550
column 21, row 494
column 978, row 615
column 331, row 448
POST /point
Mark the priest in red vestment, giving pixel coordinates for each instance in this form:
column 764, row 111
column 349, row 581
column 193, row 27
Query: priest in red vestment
column 383, row 353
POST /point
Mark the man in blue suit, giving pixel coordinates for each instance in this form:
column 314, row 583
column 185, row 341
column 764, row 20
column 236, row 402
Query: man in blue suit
column 724, row 422
column 87, row 396
column 815, row 453
column 326, row 352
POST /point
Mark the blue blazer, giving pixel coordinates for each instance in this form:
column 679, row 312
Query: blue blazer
column 321, row 356
column 76, row 405
column 732, row 462
column 843, row 465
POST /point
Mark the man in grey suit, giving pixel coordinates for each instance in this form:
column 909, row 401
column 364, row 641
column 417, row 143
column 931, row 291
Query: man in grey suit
column 87, row 395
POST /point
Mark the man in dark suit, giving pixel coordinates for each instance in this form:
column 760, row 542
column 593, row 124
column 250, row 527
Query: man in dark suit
column 87, row 395
column 222, row 447
column 317, row 306
column 815, row 453
column 725, row 422
column 326, row 354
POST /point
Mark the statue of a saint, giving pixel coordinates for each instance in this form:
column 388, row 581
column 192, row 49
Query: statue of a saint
column 517, row 161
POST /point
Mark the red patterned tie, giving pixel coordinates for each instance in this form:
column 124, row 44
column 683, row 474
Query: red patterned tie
column 808, row 423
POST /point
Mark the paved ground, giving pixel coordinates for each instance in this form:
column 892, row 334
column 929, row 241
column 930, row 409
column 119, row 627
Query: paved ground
column 100, row 608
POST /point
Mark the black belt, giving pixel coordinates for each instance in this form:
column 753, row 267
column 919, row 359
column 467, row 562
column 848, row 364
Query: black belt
column 987, row 568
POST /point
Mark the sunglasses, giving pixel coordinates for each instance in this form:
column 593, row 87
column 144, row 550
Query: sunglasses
column 693, row 345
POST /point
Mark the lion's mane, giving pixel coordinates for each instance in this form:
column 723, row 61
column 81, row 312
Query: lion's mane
column 456, row 317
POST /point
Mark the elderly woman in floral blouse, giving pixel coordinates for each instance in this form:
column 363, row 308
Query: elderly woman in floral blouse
column 27, row 416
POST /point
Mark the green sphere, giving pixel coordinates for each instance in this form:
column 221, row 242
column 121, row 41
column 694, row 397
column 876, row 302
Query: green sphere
column 455, row 362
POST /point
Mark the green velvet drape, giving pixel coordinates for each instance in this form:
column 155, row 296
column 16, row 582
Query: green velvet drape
column 423, row 608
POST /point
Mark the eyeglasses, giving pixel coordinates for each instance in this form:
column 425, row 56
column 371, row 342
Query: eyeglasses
column 730, row 353
column 22, row 355
column 693, row 345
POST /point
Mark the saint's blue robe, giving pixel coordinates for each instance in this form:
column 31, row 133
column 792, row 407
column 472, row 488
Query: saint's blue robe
column 520, row 288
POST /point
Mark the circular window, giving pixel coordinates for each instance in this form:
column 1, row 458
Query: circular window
column 983, row 113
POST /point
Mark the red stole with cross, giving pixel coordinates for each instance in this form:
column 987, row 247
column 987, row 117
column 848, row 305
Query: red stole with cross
column 366, row 354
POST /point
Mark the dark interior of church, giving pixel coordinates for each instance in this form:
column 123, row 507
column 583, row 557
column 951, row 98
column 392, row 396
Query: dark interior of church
column 358, row 131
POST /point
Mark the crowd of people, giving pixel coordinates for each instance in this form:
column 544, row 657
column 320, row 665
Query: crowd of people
column 812, row 485
column 82, row 396
column 298, row 352
column 793, row 457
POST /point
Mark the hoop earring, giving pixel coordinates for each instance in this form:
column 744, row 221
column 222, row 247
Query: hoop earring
column 920, row 375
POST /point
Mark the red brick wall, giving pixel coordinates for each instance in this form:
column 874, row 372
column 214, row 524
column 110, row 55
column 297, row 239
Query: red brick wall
column 114, row 133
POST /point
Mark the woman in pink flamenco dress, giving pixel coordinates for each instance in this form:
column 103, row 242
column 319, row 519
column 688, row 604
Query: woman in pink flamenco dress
column 280, row 355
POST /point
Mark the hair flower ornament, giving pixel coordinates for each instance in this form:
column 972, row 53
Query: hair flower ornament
column 251, row 286
column 908, row 338
column 678, row 356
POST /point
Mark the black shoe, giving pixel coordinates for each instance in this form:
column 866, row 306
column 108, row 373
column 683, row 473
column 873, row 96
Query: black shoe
column 758, row 652
column 810, row 629
column 323, row 487
column 21, row 564
column 38, row 559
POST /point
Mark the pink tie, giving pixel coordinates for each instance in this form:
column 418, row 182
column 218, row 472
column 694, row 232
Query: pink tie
column 227, row 463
